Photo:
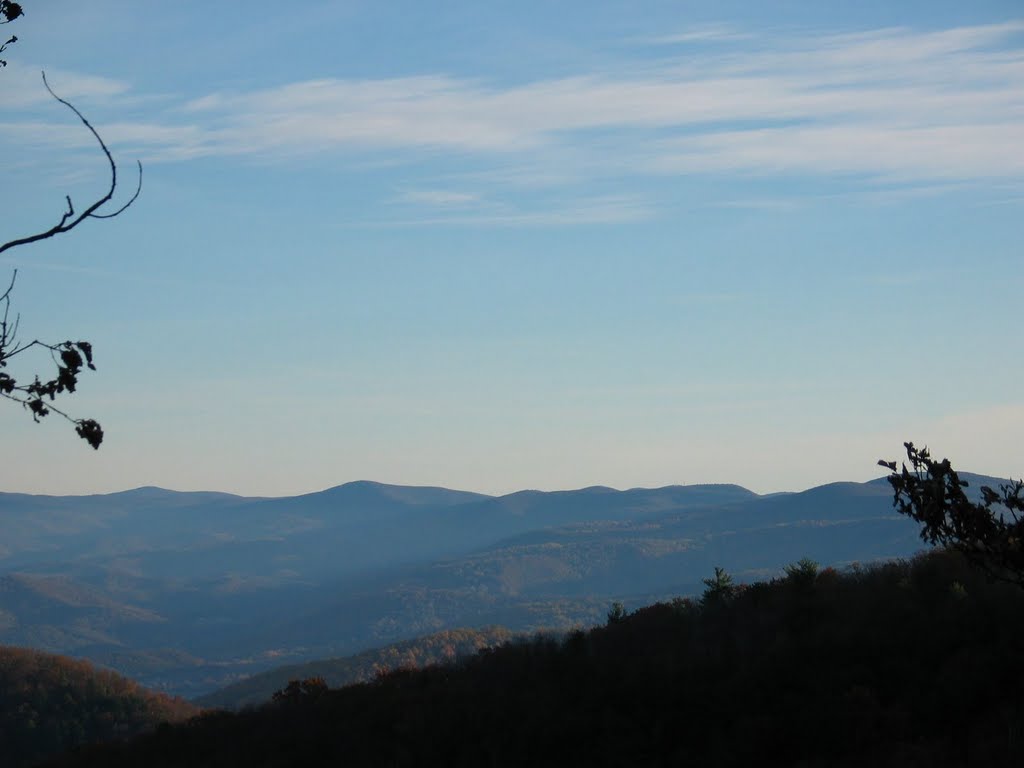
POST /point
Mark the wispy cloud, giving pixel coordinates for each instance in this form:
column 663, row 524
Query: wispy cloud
column 593, row 210
column 703, row 33
column 890, row 104
column 890, row 152
column 437, row 197
column 773, row 204
column 719, row 297
column 23, row 86
column 1019, row 200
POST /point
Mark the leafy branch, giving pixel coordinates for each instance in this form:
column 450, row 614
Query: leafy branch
column 989, row 533
column 69, row 357
column 8, row 12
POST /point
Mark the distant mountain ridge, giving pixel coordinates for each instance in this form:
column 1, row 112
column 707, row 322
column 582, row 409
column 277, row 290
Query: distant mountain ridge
column 187, row 591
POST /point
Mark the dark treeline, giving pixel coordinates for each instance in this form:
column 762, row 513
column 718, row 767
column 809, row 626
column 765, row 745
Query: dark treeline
column 901, row 664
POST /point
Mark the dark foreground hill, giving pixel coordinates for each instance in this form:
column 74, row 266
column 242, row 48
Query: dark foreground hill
column 49, row 704
column 899, row 664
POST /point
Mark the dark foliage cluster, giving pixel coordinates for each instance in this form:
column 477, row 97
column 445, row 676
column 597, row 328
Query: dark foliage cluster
column 49, row 704
column 989, row 532
column 8, row 12
column 69, row 357
column 902, row 664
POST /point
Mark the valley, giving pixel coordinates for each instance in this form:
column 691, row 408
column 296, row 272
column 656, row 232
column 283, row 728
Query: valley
column 189, row 592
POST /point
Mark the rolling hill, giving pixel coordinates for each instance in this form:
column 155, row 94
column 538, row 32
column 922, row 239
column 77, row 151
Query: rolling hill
column 191, row 591
column 895, row 664
column 439, row 648
column 50, row 704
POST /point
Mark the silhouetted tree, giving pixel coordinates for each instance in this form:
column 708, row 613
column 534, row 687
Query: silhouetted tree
column 990, row 532
column 69, row 357
column 719, row 589
column 617, row 612
column 804, row 572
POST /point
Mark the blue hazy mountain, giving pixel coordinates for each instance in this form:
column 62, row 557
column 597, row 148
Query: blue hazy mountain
column 188, row 591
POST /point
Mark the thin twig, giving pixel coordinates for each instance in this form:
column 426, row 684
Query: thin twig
column 69, row 220
column 49, row 407
column 7, row 293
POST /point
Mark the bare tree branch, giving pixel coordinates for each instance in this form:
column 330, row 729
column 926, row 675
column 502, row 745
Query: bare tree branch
column 70, row 220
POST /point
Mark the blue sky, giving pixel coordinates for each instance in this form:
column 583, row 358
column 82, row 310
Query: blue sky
column 519, row 245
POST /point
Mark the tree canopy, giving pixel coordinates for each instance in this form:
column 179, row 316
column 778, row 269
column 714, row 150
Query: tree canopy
column 989, row 532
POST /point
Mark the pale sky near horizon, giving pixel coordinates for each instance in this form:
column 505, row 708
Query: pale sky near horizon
column 496, row 246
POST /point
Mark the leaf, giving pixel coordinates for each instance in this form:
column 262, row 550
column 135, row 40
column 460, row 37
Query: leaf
column 90, row 431
column 11, row 11
column 86, row 348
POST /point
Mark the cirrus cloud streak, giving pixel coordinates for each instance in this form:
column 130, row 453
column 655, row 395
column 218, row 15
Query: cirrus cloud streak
column 885, row 104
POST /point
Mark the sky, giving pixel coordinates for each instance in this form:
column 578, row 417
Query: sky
column 497, row 246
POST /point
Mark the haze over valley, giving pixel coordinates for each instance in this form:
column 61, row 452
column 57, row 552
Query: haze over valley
column 660, row 320
column 186, row 592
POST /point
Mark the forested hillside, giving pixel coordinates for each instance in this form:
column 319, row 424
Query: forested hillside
column 49, row 704
column 438, row 648
column 899, row 664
